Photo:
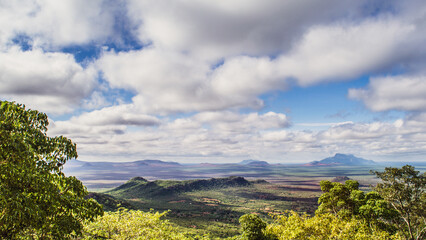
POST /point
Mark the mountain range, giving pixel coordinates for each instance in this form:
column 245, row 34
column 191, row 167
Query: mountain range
column 101, row 175
column 337, row 159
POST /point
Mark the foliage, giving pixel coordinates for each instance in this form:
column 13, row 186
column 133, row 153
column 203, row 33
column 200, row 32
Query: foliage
column 340, row 199
column 324, row 226
column 376, row 210
column 398, row 202
column 36, row 199
column 253, row 227
column 405, row 190
column 132, row 224
column 346, row 200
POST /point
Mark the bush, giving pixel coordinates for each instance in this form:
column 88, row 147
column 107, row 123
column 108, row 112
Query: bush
column 132, row 224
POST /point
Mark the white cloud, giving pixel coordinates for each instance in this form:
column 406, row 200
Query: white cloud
column 417, row 120
column 330, row 124
column 244, row 78
column 376, row 139
column 210, row 59
column 174, row 82
column 405, row 92
column 216, row 29
column 164, row 81
column 52, row 23
column 167, row 81
column 105, row 131
column 116, row 115
column 85, row 134
column 229, row 121
column 50, row 82
column 96, row 101
column 345, row 51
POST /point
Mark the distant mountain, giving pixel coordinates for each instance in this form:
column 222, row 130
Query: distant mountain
column 254, row 163
column 107, row 175
column 159, row 163
column 139, row 187
column 151, row 163
column 75, row 166
column 342, row 159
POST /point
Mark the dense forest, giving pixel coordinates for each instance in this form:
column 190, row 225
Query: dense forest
column 37, row 200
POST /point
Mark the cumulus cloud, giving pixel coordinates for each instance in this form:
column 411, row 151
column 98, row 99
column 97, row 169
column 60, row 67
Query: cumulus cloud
column 377, row 138
column 345, row 51
column 401, row 137
column 106, row 131
column 116, row 115
column 106, row 121
column 335, row 52
column 174, row 82
column 164, row 81
column 213, row 29
column 52, row 24
column 229, row 121
column 405, row 92
column 168, row 81
column 209, row 60
column 48, row 81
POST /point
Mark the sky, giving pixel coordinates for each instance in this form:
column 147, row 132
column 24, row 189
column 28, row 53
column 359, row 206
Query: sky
column 222, row 81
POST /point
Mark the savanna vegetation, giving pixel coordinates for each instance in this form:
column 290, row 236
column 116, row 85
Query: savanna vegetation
column 37, row 200
column 393, row 210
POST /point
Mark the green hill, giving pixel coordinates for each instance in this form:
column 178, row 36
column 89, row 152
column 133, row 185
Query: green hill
column 109, row 202
column 139, row 187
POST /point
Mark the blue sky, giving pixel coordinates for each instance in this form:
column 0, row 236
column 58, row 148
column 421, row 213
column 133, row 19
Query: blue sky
column 222, row 81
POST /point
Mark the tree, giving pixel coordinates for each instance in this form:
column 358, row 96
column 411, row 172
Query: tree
column 340, row 199
column 253, row 227
column 405, row 190
column 347, row 201
column 36, row 199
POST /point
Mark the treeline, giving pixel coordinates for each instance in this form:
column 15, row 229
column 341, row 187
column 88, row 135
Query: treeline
column 37, row 201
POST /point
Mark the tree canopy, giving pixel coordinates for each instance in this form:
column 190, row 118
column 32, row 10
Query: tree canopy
column 133, row 224
column 405, row 190
column 36, row 199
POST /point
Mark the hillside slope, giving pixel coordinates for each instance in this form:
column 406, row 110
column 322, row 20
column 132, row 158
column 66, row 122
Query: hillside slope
column 139, row 187
column 109, row 202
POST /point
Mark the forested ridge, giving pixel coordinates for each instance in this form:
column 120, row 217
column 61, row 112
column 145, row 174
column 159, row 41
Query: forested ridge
column 139, row 186
column 37, row 200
